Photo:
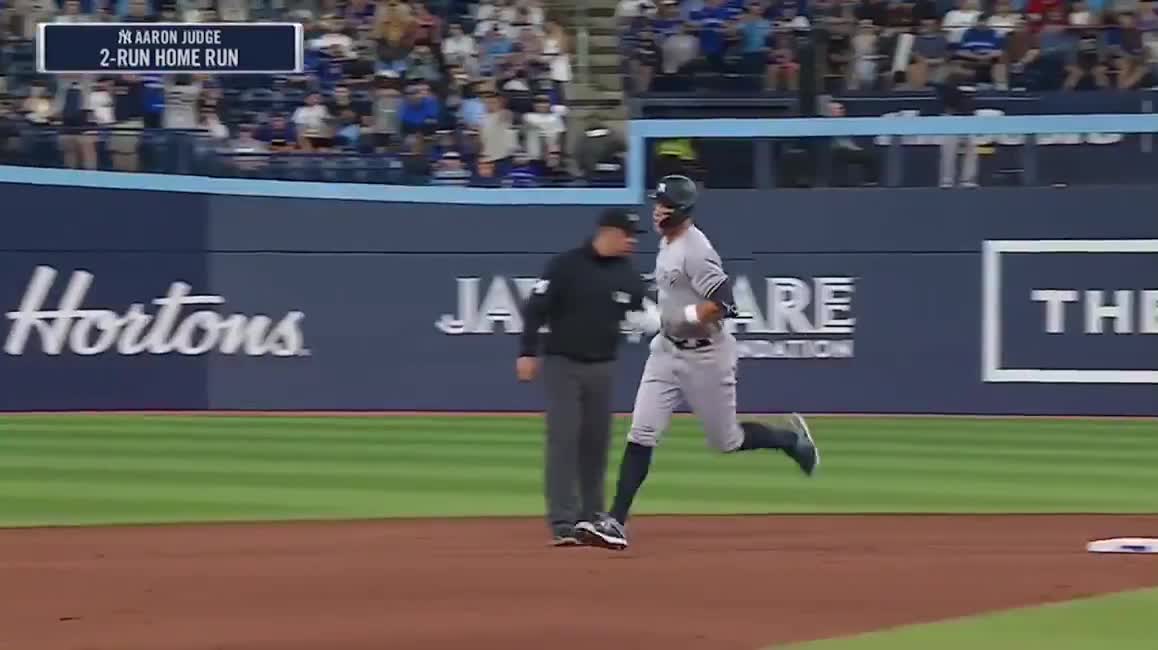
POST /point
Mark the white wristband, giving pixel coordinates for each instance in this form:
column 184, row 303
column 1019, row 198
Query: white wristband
column 691, row 315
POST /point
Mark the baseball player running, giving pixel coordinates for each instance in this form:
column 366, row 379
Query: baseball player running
column 692, row 357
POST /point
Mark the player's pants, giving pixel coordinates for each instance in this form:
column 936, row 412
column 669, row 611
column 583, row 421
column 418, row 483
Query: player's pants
column 705, row 378
column 578, row 437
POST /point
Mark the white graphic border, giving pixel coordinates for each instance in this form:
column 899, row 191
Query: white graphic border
column 991, row 370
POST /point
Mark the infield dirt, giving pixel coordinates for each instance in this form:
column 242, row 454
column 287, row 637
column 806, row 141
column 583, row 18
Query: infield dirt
column 717, row 583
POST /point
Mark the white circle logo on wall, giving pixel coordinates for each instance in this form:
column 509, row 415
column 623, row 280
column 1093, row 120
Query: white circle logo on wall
column 72, row 328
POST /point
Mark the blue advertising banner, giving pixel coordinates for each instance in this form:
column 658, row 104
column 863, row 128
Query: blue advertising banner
column 999, row 302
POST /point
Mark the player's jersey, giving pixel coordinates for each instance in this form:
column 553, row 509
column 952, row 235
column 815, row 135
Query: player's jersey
column 687, row 270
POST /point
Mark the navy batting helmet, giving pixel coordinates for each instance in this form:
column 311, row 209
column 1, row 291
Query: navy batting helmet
column 676, row 192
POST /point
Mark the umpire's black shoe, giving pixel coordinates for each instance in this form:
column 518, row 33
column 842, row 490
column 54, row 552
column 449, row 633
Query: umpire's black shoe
column 805, row 453
column 604, row 532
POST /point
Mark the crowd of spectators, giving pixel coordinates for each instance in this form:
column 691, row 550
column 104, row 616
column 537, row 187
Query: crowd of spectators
column 881, row 45
column 440, row 91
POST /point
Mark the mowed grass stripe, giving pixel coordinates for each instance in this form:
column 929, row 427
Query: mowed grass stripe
column 1099, row 474
column 409, row 478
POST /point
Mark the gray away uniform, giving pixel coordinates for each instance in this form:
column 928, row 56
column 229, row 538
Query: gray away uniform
column 690, row 360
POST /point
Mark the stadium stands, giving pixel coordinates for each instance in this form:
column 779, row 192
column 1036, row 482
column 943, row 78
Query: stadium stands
column 449, row 92
column 393, row 92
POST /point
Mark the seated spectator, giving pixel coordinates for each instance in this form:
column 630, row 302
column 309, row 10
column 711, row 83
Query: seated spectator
column 415, row 163
column 553, row 172
column 420, row 110
column 493, row 48
column 450, row 170
column 421, row 64
column 865, row 56
column 1055, row 48
column 472, row 110
column 497, row 134
column 667, row 22
column 557, row 57
column 37, row 107
column 680, row 54
column 544, row 129
column 1087, row 61
column 210, row 123
column 312, row 123
column 335, row 40
column 644, row 60
column 712, row 21
column 522, row 173
column 783, row 69
column 102, row 104
column 280, row 136
column 755, row 31
column 979, row 56
column 182, row 93
column 72, row 13
column 394, row 35
column 427, row 26
column 960, row 19
column 129, row 104
column 459, row 49
column 77, row 144
column 840, row 25
column 930, row 52
column 485, row 174
column 1004, row 20
column 348, row 130
column 1080, row 15
column 360, row 13
column 486, row 10
column 386, row 120
column 1124, row 50
column 10, row 129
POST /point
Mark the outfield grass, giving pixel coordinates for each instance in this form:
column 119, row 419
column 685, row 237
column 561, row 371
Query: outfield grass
column 88, row 469
column 1117, row 622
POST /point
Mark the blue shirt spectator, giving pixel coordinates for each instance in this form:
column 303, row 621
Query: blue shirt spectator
column 471, row 113
column 419, row 111
column 754, row 31
column 522, row 173
column 713, row 19
column 980, row 40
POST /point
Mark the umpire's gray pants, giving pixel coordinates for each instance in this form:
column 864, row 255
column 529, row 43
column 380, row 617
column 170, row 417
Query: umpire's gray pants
column 578, row 436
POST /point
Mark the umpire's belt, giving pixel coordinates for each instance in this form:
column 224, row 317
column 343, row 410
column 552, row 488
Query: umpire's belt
column 689, row 344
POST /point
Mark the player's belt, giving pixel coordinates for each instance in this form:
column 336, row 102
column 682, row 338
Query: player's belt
column 689, row 344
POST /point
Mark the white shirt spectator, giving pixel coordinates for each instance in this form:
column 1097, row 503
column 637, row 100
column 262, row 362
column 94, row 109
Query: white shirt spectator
column 499, row 139
column 331, row 39
column 1080, row 18
column 559, row 60
column 486, row 10
column 628, row 9
column 181, row 106
column 216, row 129
column 311, row 119
column 458, row 49
column 39, row 109
column 957, row 22
column 542, row 129
column 102, row 105
column 678, row 51
column 1004, row 24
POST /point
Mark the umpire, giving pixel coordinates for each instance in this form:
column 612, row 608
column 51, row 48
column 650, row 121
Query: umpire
column 583, row 297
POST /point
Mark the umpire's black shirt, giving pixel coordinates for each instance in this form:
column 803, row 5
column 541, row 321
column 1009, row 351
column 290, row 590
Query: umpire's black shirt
column 583, row 297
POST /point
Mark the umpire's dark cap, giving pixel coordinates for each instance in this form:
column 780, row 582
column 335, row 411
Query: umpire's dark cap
column 621, row 218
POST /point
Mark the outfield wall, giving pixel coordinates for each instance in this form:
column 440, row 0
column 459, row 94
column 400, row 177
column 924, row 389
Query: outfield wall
column 911, row 301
